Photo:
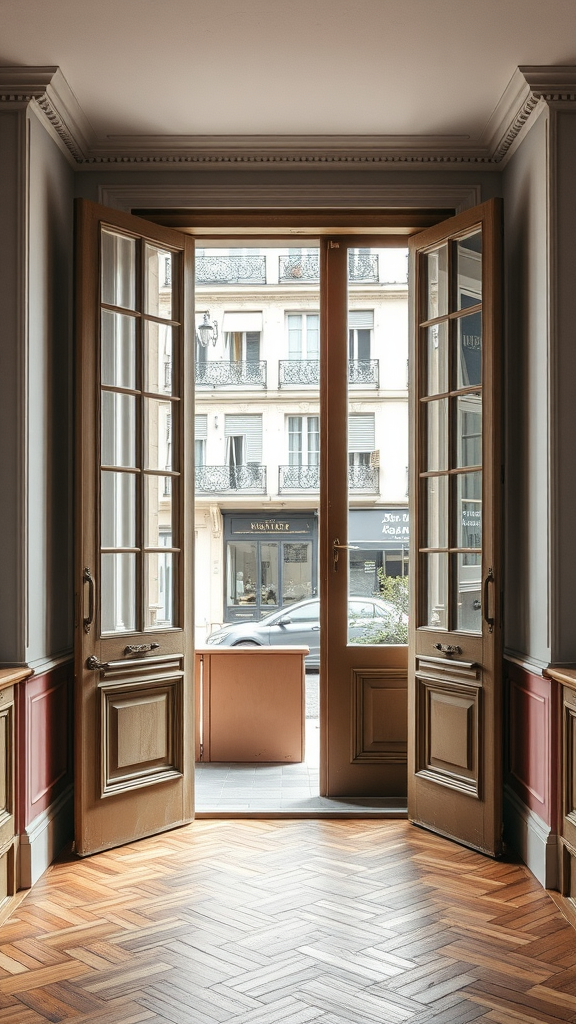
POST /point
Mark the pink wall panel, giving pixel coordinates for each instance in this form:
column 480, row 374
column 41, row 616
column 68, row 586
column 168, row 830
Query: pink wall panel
column 44, row 740
column 532, row 740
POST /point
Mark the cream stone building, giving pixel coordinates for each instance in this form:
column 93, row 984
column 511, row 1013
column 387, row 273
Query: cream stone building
column 257, row 427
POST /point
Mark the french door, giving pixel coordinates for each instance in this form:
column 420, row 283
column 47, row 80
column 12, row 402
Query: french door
column 363, row 681
column 455, row 698
column 135, row 372
column 427, row 713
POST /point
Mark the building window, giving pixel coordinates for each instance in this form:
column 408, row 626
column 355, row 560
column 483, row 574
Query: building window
column 303, row 440
column 303, row 335
column 361, row 438
column 244, row 346
column 360, row 327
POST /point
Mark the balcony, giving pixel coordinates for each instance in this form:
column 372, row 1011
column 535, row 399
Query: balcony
column 362, row 269
column 364, row 371
column 298, row 478
column 295, row 372
column 307, row 478
column 299, row 372
column 299, row 269
column 227, row 479
column 217, row 373
column 231, row 270
column 363, row 478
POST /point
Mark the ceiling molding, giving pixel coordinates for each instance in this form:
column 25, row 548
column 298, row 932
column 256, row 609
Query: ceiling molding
column 47, row 88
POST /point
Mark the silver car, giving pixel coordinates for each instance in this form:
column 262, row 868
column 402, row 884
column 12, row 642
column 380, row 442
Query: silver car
column 298, row 625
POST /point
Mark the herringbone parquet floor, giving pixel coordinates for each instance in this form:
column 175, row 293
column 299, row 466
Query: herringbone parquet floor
column 287, row 922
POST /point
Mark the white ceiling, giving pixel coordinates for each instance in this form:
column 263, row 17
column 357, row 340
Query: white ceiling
column 288, row 67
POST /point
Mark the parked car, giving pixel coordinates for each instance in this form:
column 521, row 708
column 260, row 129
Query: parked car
column 298, row 624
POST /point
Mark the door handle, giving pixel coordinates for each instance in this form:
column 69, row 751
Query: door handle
column 448, row 649
column 337, row 547
column 487, row 618
column 88, row 578
column 314, row 628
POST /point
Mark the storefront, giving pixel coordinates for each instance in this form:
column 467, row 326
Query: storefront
column 381, row 540
column 270, row 562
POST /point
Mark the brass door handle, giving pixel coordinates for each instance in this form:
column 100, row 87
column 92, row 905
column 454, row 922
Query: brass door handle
column 336, row 547
column 88, row 578
column 487, row 618
column 448, row 649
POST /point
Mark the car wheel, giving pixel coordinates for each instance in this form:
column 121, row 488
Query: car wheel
column 247, row 643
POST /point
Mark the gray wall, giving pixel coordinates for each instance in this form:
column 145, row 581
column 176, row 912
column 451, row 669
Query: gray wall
column 563, row 388
column 12, row 385
column 50, row 394
column 526, row 505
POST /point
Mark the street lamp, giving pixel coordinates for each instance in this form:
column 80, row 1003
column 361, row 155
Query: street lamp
column 207, row 332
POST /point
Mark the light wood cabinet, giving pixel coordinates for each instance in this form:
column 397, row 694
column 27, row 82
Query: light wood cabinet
column 250, row 704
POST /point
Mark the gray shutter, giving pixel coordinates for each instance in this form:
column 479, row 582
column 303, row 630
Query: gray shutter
column 360, row 318
column 251, row 428
column 201, row 427
column 252, row 346
column 361, row 432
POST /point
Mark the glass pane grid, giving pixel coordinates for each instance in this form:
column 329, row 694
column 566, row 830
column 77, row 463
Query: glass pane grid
column 451, row 455
column 139, row 559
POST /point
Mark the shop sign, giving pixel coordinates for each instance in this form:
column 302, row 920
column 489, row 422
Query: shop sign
column 384, row 527
column 271, row 525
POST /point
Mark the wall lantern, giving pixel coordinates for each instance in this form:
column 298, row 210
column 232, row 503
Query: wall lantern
column 207, row 332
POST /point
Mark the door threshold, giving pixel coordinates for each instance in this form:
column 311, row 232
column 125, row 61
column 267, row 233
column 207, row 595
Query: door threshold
column 330, row 807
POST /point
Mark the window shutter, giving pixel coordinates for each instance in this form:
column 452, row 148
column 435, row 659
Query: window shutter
column 252, row 346
column 250, row 427
column 358, row 318
column 201, row 427
column 361, row 433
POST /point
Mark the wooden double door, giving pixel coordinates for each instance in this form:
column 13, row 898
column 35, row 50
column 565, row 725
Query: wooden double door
column 425, row 715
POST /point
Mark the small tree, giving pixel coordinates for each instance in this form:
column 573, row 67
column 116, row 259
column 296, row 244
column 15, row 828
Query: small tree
column 393, row 627
column 394, row 589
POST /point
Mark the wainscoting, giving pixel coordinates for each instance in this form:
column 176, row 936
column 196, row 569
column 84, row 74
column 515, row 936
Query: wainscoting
column 44, row 769
column 531, row 770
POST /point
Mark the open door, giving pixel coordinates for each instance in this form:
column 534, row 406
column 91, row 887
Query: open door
column 455, row 699
column 135, row 372
column 363, row 648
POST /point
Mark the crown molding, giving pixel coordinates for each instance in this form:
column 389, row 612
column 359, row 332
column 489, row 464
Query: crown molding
column 529, row 89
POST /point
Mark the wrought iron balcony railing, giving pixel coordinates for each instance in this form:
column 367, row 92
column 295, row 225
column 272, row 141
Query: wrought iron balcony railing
column 306, row 269
column 299, row 269
column 298, row 478
column 363, row 478
column 363, row 371
column 223, row 479
column 294, row 372
column 362, row 266
column 298, row 371
column 217, row 373
column 230, row 270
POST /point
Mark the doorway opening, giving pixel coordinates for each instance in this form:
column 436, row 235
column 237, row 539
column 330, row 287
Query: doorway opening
column 258, row 474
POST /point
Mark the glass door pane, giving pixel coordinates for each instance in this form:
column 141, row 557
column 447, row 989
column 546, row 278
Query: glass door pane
column 451, row 412
column 377, row 449
column 139, row 536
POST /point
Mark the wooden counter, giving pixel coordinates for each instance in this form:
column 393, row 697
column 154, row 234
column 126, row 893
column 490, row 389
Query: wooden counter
column 250, row 704
column 9, row 677
column 567, row 676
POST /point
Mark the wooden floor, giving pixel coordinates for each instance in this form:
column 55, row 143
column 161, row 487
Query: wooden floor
column 285, row 922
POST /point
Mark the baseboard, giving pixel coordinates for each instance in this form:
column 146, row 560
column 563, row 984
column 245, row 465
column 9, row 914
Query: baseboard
column 532, row 839
column 44, row 838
